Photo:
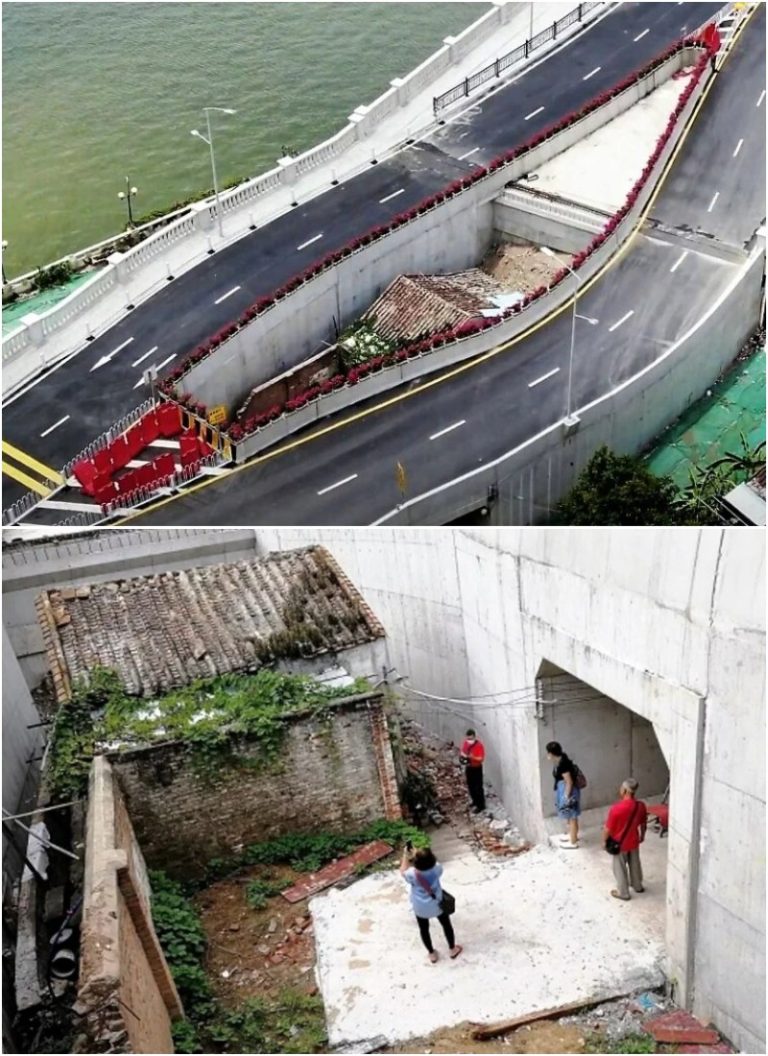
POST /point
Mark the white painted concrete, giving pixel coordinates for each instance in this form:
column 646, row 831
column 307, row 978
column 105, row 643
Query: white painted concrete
column 601, row 169
column 669, row 623
column 538, row 930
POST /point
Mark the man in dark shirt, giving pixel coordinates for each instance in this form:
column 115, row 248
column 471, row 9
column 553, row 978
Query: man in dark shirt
column 626, row 823
column 472, row 757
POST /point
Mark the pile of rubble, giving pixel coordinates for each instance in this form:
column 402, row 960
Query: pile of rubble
column 436, row 764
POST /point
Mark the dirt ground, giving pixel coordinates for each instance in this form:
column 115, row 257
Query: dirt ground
column 256, row 952
column 520, row 268
column 538, row 1037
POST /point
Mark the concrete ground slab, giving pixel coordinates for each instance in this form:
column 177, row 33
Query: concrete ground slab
column 538, row 931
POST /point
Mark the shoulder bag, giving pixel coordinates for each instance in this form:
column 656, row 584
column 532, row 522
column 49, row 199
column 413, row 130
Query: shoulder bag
column 446, row 904
column 614, row 846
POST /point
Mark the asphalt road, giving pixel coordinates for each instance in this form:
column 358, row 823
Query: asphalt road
column 647, row 300
column 177, row 319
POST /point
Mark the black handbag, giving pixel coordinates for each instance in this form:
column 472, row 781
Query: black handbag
column 614, row 846
column 446, row 904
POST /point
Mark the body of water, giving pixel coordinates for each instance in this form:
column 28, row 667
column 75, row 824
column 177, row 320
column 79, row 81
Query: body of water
column 93, row 93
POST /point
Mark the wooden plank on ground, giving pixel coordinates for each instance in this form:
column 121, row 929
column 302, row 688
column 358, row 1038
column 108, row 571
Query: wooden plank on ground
column 331, row 874
column 496, row 1030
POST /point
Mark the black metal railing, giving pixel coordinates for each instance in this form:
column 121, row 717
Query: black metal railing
column 496, row 68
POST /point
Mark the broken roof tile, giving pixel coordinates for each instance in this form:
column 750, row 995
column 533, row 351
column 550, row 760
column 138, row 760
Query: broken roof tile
column 165, row 630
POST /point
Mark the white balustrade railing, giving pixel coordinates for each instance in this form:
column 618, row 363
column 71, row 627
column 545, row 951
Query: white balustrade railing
column 202, row 219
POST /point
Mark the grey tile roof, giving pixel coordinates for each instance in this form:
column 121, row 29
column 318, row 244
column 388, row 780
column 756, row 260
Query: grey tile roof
column 164, row 630
column 413, row 305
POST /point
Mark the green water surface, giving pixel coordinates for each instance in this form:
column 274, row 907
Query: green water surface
column 95, row 92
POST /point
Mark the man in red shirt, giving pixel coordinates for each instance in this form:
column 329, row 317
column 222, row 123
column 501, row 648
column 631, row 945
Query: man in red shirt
column 626, row 823
column 471, row 757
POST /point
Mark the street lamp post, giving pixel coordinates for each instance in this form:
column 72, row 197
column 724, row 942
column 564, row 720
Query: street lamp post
column 551, row 253
column 5, row 246
column 207, row 111
column 125, row 196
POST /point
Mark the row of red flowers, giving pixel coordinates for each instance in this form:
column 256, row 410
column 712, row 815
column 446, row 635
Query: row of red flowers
column 457, row 187
column 473, row 326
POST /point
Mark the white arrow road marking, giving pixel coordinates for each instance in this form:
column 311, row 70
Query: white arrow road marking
column 112, row 354
column 142, row 358
column 338, row 484
column 155, row 366
column 55, row 425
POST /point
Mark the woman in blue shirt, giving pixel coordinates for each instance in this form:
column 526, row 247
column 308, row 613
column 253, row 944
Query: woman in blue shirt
column 422, row 872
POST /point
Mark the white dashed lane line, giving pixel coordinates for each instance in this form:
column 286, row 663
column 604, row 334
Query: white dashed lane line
column 227, row 294
column 538, row 381
column 533, row 113
column 388, row 198
column 621, row 321
column 469, row 154
column 55, row 425
column 309, row 242
column 142, row 358
column 738, row 148
column 155, row 366
column 762, row 96
column 679, row 261
column 448, row 429
column 641, row 35
column 592, row 73
column 338, row 484
column 712, row 203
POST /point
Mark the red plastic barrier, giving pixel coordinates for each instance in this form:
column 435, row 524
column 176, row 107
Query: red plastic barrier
column 102, row 460
column 105, row 492
column 165, row 465
column 169, row 420
column 85, row 472
column 204, row 448
column 188, row 448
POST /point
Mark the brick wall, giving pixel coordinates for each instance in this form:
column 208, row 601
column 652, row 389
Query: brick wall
column 125, row 990
column 332, row 776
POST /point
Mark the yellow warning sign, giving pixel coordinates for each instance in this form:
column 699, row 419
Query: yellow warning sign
column 217, row 415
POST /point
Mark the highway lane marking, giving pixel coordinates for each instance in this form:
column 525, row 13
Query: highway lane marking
column 712, row 203
column 55, row 426
column 592, row 73
column 338, row 484
column 533, row 113
column 448, row 429
column 469, row 154
column 538, row 381
column 32, row 463
column 388, row 198
column 309, row 243
column 641, row 35
column 762, row 96
column 108, row 358
column 621, row 321
column 142, row 358
column 225, row 295
column 738, row 148
column 464, row 368
column 30, row 483
column 155, row 366
column 679, row 261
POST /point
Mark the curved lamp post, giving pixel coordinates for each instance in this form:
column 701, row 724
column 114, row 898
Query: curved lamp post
column 125, row 196
column 209, row 140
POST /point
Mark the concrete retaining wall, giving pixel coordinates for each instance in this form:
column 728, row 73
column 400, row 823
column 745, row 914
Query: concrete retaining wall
column 520, row 216
column 451, row 236
column 668, row 623
column 530, row 479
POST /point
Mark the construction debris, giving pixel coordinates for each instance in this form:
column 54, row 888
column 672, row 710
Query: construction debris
column 338, row 870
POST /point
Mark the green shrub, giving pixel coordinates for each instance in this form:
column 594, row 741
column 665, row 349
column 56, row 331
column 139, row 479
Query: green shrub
column 260, row 890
